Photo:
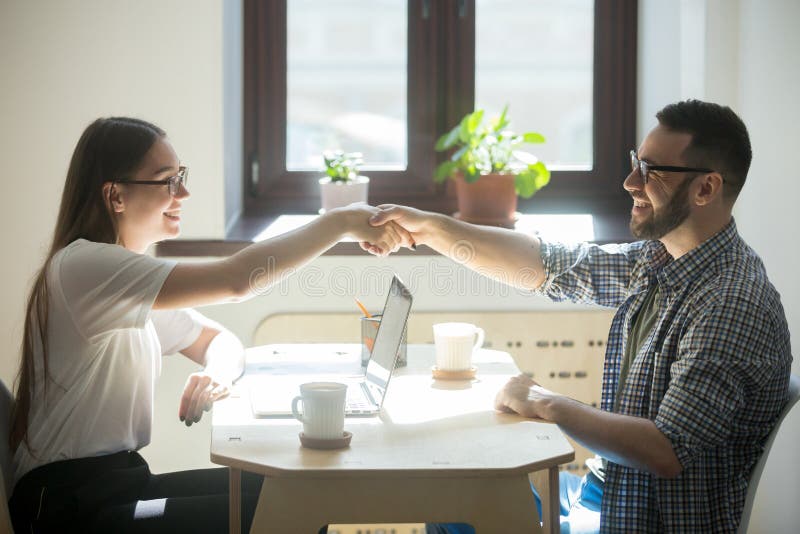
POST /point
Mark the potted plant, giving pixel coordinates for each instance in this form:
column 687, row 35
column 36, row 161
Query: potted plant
column 488, row 169
column 342, row 184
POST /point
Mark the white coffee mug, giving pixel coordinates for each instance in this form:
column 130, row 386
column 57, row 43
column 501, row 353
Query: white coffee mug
column 323, row 409
column 455, row 343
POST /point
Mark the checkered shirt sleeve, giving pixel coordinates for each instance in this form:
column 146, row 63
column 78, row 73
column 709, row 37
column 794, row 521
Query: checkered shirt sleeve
column 588, row 273
column 726, row 354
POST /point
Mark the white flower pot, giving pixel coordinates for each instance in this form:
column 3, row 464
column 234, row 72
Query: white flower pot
column 338, row 194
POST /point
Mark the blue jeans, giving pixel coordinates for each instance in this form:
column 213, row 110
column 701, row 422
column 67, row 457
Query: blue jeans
column 579, row 502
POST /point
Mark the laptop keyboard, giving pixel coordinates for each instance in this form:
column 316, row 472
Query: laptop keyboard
column 356, row 400
column 271, row 396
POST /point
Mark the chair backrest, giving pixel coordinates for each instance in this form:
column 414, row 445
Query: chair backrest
column 6, row 474
column 755, row 476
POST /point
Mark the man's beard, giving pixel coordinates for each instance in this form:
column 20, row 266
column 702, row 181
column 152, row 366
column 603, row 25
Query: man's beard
column 672, row 215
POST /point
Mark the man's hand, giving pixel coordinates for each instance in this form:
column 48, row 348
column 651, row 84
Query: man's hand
column 200, row 392
column 380, row 240
column 524, row 396
column 416, row 222
column 623, row 439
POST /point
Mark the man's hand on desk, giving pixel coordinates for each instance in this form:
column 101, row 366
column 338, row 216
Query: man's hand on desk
column 200, row 392
column 524, row 396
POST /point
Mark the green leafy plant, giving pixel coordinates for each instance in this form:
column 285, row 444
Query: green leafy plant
column 342, row 166
column 489, row 147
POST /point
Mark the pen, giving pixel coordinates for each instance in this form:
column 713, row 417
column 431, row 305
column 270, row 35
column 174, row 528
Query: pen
column 363, row 309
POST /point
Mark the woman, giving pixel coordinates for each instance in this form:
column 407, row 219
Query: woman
column 100, row 315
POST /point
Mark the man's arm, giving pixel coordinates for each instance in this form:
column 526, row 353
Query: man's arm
column 630, row 441
column 505, row 255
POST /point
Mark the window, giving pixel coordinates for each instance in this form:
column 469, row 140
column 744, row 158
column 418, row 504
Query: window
column 346, row 82
column 543, row 69
column 387, row 77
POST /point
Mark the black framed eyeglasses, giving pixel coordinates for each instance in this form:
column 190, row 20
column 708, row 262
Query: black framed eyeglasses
column 173, row 182
column 644, row 168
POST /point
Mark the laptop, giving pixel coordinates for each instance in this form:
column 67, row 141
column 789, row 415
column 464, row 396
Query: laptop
column 272, row 396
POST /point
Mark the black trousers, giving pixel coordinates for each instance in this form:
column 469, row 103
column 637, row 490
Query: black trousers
column 117, row 493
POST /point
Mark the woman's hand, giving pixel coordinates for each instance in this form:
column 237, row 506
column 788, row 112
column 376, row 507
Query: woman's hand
column 379, row 240
column 524, row 396
column 200, row 392
column 415, row 222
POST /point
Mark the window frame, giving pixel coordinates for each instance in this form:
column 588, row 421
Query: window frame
column 441, row 89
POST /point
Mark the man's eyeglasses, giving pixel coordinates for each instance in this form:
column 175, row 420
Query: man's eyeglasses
column 173, row 182
column 644, row 168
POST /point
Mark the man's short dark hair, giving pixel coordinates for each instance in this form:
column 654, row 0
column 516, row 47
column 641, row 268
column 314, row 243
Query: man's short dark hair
column 719, row 139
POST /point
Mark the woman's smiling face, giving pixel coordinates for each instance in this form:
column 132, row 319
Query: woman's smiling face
column 147, row 214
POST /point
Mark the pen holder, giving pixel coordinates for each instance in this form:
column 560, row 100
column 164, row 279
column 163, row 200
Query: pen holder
column 369, row 328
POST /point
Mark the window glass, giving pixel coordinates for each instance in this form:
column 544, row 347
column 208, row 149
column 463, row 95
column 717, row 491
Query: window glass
column 538, row 58
column 346, row 81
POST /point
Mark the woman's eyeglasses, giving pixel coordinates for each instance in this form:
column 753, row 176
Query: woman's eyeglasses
column 644, row 168
column 173, row 182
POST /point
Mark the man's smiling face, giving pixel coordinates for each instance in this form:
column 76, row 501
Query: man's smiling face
column 662, row 204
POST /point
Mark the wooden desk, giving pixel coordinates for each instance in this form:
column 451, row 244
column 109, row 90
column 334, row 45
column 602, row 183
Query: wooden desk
column 439, row 452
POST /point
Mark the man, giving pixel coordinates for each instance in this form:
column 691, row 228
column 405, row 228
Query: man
column 698, row 357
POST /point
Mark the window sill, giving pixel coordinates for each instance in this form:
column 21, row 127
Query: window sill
column 600, row 229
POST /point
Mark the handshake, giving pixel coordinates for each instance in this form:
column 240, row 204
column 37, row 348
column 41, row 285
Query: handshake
column 382, row 230
column 506, row 255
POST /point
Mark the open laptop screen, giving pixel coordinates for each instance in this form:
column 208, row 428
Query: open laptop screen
column 388, row 338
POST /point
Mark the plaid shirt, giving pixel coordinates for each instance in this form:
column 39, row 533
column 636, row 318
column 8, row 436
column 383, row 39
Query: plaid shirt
column 712, row 375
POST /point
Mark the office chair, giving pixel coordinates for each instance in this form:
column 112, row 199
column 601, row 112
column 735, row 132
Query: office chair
column 755, row 476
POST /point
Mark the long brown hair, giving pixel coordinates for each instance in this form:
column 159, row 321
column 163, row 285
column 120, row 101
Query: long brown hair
column 109, row 150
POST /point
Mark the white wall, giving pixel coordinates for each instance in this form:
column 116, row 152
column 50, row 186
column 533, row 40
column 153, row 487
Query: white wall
column 769, row 75
column 65, row 63
column 747, row 58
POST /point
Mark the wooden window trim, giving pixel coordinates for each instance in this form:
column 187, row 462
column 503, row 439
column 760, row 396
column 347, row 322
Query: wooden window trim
column 452, row 86
column 598, row 191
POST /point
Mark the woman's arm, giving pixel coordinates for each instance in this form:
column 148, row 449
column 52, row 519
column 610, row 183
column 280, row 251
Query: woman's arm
column 261, row 265
column 222, row 355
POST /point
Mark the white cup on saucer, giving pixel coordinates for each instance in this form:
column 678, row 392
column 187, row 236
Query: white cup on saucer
column 322, row 411
column 455, row 343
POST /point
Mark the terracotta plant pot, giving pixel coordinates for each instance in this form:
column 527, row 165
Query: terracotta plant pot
column 491, row 200
column 338, row 194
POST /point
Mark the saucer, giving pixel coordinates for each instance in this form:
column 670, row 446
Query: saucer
column 461, row 374
column 317, row 443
